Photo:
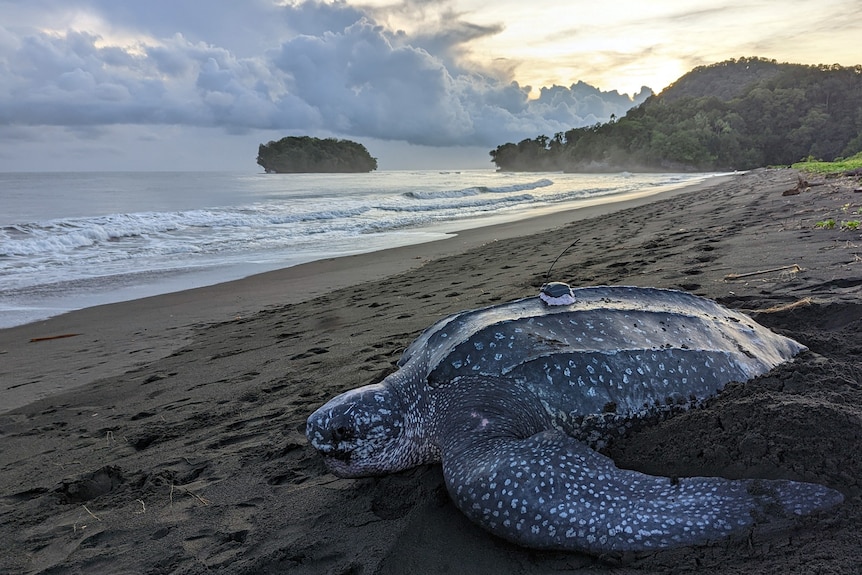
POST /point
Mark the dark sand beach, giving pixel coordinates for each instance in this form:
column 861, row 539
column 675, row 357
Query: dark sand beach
column 167, row 435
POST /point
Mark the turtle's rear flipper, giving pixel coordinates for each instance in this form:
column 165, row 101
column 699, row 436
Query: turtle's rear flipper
column 550, row 491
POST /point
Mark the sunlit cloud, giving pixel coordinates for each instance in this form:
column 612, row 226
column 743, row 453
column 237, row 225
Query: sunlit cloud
column 624, row 44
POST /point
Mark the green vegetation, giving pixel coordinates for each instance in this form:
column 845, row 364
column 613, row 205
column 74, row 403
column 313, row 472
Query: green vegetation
column 835, row 167
column 851, row 166
column 738, row 114
column 830, row 224
column 306, row 154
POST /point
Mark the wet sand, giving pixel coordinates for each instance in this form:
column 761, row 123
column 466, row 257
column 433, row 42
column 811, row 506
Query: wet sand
column 167, row 436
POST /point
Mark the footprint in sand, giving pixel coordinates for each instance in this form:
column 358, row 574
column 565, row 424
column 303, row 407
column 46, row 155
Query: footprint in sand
column 92, row 485
column 309, row 353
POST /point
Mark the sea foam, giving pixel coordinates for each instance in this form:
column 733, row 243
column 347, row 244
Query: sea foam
column 88, row 233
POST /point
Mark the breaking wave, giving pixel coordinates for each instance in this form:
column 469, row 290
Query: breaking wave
column 165, row 226
column 477, row 190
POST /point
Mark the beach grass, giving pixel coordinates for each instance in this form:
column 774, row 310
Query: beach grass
column 820, row 167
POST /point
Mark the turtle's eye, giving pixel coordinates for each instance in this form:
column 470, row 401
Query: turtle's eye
column 342, row 433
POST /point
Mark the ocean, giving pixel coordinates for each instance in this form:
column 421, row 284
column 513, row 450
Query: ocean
column 75, row 240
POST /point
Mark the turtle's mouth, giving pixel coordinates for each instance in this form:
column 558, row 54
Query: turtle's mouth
column 336, row 454
column 339, row 467
column 341, row 463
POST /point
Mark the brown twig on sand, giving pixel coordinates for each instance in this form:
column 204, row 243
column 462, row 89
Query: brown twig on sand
column 202, row 500
column 50, row 337
column 93, row 515
column 788, row 306
column 795, row 268
column 314, row 484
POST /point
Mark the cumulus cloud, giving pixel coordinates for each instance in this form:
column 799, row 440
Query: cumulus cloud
column 324, row 67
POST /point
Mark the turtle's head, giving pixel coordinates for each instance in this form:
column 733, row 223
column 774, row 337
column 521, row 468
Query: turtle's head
column 362, row 432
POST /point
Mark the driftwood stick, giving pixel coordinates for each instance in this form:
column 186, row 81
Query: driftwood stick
column 806, row 301
column 93, row 515
column 788, row 306
column 50, row 337
column 794, row 267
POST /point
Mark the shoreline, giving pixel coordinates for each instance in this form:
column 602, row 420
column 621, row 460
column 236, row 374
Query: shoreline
column 223, row 228
column 193, row 459
column 132, row 334
column 53, row 298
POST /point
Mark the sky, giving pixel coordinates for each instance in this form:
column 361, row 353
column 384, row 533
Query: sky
column 199, row 84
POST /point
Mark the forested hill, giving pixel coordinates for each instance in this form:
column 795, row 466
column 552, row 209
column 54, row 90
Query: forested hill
column 739, row 114
column 726, row 80
column 296, row 154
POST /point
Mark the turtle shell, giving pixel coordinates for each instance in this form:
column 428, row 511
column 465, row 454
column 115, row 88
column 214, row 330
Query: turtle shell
column 623, row 345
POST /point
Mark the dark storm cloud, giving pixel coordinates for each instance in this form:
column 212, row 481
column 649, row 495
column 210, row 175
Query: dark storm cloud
column 325, row 67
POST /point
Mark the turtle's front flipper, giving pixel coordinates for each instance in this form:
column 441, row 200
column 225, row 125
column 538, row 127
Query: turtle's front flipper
column 548, row 490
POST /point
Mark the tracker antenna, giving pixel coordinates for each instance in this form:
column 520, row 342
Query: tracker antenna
column 570, row 246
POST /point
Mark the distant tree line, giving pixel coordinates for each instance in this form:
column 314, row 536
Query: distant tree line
column 738, row 114
column 296, row 154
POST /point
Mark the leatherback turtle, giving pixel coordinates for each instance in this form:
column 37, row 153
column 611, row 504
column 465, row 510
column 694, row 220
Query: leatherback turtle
column 512, row 399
